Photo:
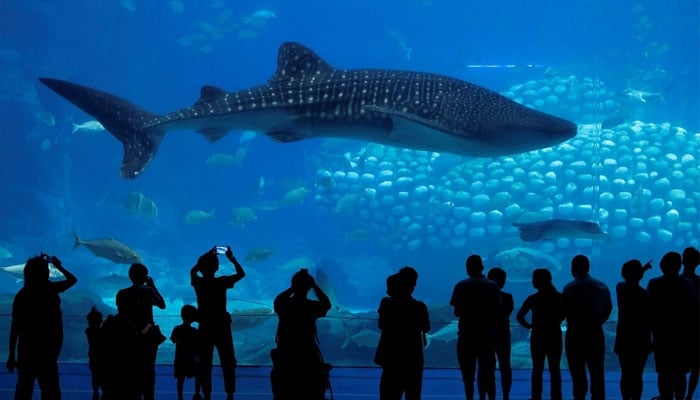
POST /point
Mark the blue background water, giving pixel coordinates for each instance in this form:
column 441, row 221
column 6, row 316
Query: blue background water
column 158, row 54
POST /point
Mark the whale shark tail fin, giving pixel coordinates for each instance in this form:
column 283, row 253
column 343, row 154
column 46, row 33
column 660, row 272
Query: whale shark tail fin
column 138, row 130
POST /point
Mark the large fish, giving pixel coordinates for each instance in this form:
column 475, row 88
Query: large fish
column 110, row 249
column 559, row 228
column 17, row 271
column 307, row 97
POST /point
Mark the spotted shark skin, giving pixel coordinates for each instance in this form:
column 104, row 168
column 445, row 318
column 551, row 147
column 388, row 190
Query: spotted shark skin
column 307, row 97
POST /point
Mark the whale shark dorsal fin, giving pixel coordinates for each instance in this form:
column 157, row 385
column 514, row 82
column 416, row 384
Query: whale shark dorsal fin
column 295, row 60
column 209, row 93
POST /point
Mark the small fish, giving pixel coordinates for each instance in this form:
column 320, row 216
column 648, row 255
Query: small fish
column 558, row 228
column 295, row 196
column 198, row 216
column 259, row 254
column 46, row 117
column 405, row 50
column 91, row 126
column 221, row 160
column 243, row 215
column 109, row 248
column 246, row 137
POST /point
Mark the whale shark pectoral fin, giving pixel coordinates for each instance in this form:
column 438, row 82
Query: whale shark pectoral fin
column 402, row 117
column 213, row 134
column 284, row 136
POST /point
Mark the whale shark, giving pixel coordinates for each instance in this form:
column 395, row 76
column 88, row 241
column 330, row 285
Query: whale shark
column 307, row 97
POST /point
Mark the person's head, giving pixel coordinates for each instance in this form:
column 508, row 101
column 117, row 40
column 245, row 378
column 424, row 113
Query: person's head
column 36, row 271
column 670, row 263
column 409, row 275
column 632, row 271
column 691, row 258
column 497, row 275
column 208, row 263
column 580, row 266
column 94, row 318
column 475, row 265
column 393, row 285
column 138, row 274
column 188, row 312
column 541, row 277
column 302, row 282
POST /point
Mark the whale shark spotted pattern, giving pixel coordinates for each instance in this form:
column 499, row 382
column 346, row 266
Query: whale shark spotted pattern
column 306, row 97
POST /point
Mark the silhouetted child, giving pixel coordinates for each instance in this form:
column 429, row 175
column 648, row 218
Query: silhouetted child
column 498, row 275
column 186, row 363
column 96, row 360
column 691, row 259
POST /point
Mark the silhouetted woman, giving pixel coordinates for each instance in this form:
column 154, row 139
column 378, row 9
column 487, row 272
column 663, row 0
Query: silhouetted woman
column 214, row 320
column 633, row 333
column 404, row 321
column 545, row 332
column 299, row 364
column 503, row 345
column 36, row 330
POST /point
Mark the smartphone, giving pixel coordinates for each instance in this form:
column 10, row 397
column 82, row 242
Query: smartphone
column 221, row 249
column 48, row 258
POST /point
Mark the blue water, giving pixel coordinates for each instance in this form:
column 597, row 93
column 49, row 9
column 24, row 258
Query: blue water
column 159, row 54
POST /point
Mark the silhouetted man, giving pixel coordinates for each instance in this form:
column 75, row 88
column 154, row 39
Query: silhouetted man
column 587, row 305
column 691, row 259
column 477, row 303
column 299, row 370
column 135, row 305
column 36, row 330
column 403, row 321
column 503, row 345
column 674, row 308
column 633, row 332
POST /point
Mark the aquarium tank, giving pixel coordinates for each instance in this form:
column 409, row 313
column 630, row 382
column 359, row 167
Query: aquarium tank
column 349, row 201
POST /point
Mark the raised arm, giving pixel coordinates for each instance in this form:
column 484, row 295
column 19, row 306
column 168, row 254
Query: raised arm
column 62, row 286
column 158, row 298
column 321, row 295
column 240, row 273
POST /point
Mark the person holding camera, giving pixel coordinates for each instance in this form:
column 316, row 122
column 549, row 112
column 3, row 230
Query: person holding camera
column 214, row 319
column 300, row 372
column 135, row 308
column 36, row 330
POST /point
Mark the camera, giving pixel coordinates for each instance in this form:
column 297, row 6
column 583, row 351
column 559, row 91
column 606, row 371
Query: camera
column 221, row 249
column 48, row 258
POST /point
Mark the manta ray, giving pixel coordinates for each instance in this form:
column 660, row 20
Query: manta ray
column 559, row 228
column 307, row 97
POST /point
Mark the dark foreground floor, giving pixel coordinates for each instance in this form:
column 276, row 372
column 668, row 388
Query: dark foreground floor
column 347, row 383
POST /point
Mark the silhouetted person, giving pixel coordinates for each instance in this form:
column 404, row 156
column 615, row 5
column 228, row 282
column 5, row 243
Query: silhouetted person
column 96, row 344
column 36, row 329
column 135, row 308
column 673, row 304
column 587, row 305
column 545, row 333
column 633, row 333
column 214, row 319
column 403, row 321
column 186, row 340
column 691, row 259
column 498, row 275
column 477, row 303
column 300, row 364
